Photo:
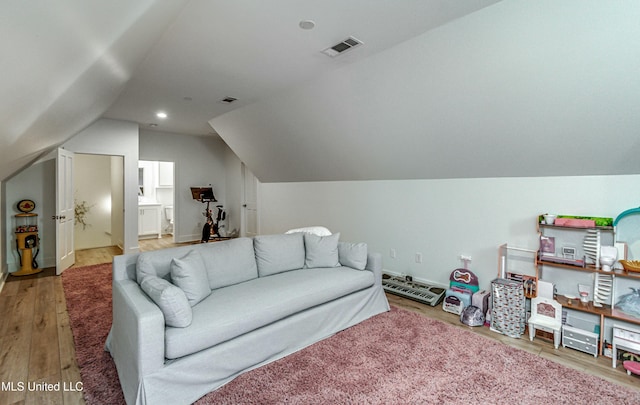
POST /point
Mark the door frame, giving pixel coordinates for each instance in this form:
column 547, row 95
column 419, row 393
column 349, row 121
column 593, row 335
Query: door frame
column 246, row 174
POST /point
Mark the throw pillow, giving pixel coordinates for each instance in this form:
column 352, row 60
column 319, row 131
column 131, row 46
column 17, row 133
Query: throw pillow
column 189, row 273
column 321, row 251
column 170, row 299
column 148, row 265
column 316, row 230
column 278, row 253
column 353, row 255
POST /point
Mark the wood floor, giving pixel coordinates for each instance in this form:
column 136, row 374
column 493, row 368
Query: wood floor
column 37, row 354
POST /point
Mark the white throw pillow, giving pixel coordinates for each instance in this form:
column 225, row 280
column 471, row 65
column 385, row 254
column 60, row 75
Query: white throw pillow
column 189, row 273
column 316, row 230
column 353, row 255
column 321, row 251
column 170, row 299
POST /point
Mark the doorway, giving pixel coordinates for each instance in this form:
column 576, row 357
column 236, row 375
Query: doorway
column 156, row 199
column 98, row 201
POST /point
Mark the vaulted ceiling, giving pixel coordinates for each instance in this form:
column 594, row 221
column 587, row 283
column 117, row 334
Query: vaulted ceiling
column 440, row 89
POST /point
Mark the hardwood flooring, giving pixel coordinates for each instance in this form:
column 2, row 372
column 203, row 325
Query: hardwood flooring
column 36, row 344
column 37, row 355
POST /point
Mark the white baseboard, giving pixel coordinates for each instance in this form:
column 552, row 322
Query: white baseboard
column 418, row 279
column 187, row 238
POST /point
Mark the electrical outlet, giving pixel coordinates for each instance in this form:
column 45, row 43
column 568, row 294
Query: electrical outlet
column 392, row 253
column 418, row 257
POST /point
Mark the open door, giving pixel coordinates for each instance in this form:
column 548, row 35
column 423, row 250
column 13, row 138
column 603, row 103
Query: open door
column 249, row 224
column 65, row 214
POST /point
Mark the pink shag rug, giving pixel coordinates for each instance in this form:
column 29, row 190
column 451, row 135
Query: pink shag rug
column 398, row 357
column 87, row 291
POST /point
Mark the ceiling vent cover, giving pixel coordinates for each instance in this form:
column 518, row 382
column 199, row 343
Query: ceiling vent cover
column 342, row 47
column 228, row 100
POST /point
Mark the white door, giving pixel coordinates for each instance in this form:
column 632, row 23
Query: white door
column 65, row 253
column 250, row 205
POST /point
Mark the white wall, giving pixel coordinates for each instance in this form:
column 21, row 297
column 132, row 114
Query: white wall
column 442, row 219
column 92, row 186
column 36, row 183
column 199, row 161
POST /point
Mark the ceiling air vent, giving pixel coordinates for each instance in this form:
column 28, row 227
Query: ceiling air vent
column 342, row 47
column 228, row 100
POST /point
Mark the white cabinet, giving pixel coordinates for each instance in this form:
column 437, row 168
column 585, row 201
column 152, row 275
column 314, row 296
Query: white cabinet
column 580, row 339
column 149, row 220
column 165, row 174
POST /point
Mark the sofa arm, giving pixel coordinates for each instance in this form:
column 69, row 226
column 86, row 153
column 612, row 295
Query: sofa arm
column 374, row 264
column 124, row 267
column 137, row 336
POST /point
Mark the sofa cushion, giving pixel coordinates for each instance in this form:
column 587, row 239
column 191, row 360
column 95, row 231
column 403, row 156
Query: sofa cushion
column 353, row 255
column 241, row 308
column 170, row 299
column 189, row 273
column 278, row 253
column 229, row 262
column 321, row 251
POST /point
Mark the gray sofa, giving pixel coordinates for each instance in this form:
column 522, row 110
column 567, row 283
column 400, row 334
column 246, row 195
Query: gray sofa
column 187, row 320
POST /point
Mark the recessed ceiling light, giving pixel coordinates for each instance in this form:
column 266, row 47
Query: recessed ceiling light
column 161, row 114
column 307, row 24
column 153, row 124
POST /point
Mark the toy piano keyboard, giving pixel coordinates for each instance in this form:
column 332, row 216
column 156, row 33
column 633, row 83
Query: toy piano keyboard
column 420, row 292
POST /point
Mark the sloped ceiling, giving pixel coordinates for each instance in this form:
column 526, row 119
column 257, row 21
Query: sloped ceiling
column 252, row 49
column 69, row 62
column 441, row 89
column 521, row 88
column 63, row 64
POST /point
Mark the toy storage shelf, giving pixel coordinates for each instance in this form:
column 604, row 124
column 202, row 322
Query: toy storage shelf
column 573, row 237
column 577, row 228
column 589, row 268
column 564, row 233
column 605, row 310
